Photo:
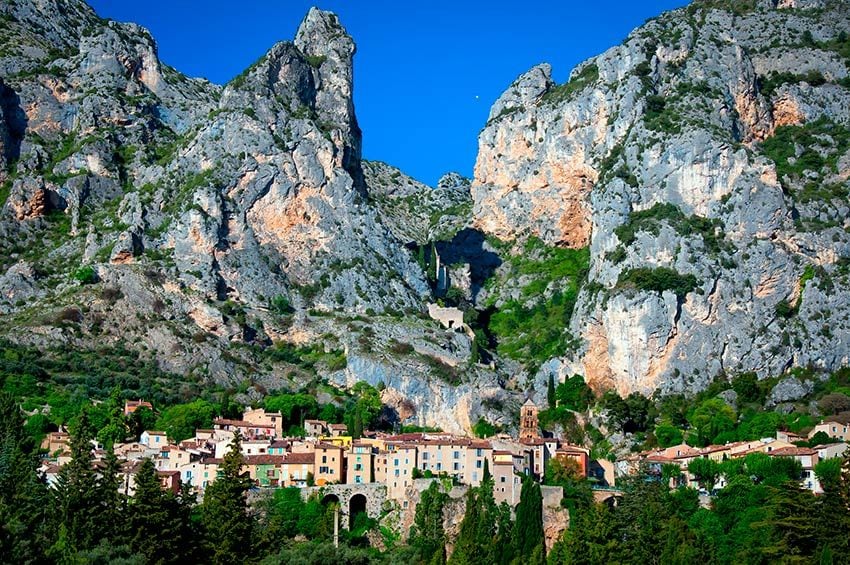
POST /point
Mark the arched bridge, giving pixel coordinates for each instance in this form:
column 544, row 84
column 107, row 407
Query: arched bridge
column 352, row 498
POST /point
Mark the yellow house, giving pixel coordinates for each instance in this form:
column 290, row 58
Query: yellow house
column 339, row 441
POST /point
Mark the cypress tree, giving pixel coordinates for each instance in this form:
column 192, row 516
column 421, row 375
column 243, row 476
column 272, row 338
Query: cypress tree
column 466, row 548
column 113, row 499
column 24, row 530
column 155, row 518
column 427, row 534
column 528, row 538
column 228, row 526
column 550, row 392
column 78, row 506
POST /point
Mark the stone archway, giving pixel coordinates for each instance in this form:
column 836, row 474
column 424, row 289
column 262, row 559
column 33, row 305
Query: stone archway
column 330, row 498
column 356, row 505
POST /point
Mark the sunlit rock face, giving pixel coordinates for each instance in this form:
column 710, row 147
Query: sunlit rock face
column 688, row 112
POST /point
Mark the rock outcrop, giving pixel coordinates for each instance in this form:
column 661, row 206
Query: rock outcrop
column 228, row 219
column 673, row 151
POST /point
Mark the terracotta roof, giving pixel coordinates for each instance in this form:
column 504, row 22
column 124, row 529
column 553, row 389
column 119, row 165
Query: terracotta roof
column 265, row 459
column 299, row 458
column 715, row 448
column 167, row 473
column 405, row 437
column 322, row 422
column 325, row 445
column 791, row 451
column 538, row 441
column 240, row 423
column 337, row 426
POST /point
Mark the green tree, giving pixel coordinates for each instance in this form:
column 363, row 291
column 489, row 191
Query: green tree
column 574, row 394
column 711, row 418
column 832, row 517
column 790, row 528
column 113, row 499
column 528, row 539
column 567, row 475
column 140, row 420
column 427, row 534
column 550, row 392
column 591, row 538
column 706, row 471
column 280, row 516
column 746, row 386
column 181, row 420
column 668, row 435
column 227, row 524
column 25, row 533
column 77, row 503
column 157, row 521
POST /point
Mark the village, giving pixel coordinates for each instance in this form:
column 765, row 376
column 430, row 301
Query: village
column 328, row 457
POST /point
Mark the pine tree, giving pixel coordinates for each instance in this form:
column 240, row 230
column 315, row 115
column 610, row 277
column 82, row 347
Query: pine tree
column 156, row 519
column 25, row 534
column 228, row 526
column 550, row 392
column 77, row 505
column 528, row 538
column 113, row 498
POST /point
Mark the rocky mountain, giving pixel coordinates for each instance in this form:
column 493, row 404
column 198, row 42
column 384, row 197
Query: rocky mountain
column 216, row 229
column 677, row 211
column 704, row 163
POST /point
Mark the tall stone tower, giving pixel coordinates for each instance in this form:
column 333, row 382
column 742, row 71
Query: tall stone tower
column 529, row 426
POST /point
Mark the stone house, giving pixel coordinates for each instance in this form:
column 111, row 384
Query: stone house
column 315, row 428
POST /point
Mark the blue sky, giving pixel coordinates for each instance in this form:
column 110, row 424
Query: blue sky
column 426, row 71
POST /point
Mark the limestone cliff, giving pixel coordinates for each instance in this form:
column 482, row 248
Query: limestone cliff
column 206, row 226
column 705, row 163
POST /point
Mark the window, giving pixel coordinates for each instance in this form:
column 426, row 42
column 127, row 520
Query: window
column 439, row 466
column 323, row 469
column 404, row 504
column 501, row 480
column 270, row 473
column 425, row 456
column 456, row 467
column 456, row 454
column 395, row 462
column 358, row 479
column 324, row 458
column 478, row 464
column 478, row 452
column 397, row 473
column 474, row 476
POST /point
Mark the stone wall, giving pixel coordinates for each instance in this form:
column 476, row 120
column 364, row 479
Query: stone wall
column 375, row 495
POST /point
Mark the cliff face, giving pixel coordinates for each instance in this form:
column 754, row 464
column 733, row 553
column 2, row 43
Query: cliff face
column 204, row 225
column 680, row 208
column 714, row 143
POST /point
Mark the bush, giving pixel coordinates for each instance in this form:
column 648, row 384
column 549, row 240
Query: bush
column 658, row 280
column 651, row 220
column 85, row 275
column 834, row 403
column 588, row 75
column 483, row 428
